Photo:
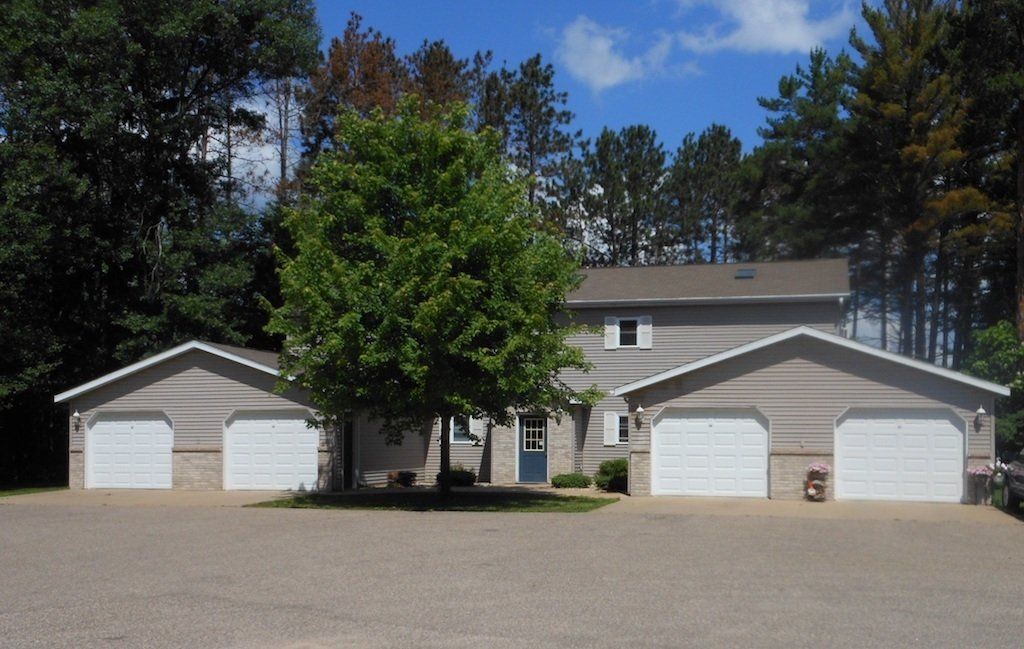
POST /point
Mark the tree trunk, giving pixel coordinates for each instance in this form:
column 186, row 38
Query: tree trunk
column 945, row 317
column 444, row 484
column 1020, row 223
column 940, row 272
column 855, row 305
column 920, row 311
column 284, row 108
column 884, row 295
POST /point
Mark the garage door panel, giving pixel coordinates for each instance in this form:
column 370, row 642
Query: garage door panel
column 909, row 455
column 709, row 455
column 129, row 450
column 274, row 450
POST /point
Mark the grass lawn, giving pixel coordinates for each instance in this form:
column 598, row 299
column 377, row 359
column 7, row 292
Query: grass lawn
column 429, row 501
column 26, row 490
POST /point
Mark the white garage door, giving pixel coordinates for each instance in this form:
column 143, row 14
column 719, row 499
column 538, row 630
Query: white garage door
column 710, row 453
column 899, row 455
column 129, row 451
column 270, row 450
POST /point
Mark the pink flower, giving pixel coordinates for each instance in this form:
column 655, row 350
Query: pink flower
column 820, row 468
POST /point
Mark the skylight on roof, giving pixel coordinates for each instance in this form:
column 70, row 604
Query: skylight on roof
column 746, row 273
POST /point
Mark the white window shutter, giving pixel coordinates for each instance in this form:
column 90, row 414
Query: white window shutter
column 611, row 428
column 644, row 332
column 611, row 333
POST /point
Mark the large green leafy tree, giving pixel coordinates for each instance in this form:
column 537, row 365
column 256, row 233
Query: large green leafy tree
column 116, row 235
column 424, row 284
column 998, row 356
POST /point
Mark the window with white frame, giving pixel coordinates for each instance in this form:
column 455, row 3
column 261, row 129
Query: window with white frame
column 623, row 429
column 628, row 332
column 460, row 432
column 533, row 433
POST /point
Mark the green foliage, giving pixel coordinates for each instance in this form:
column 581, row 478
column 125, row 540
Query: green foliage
column 424, row 285
column 998, row 356
column 117, row 237
column 628, row 166
column 703, row 190
column 571, row 481
column 458, row 476
column 612, row 475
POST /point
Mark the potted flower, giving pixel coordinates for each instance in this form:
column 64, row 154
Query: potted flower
column 817, row 476
column 979, row 477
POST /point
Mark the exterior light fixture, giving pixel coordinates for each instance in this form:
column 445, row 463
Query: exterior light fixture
column 979, row 417
column 77, row 420
column 639, row 417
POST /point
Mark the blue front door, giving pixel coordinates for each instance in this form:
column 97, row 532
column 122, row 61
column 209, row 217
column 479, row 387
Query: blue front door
column 533, row 449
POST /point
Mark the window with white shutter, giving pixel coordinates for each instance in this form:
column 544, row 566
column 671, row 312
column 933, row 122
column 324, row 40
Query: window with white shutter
column 633, row 331
column 611, row 333
column 611, row 428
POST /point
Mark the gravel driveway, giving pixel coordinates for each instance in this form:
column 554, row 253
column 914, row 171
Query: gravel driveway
column 233, row 577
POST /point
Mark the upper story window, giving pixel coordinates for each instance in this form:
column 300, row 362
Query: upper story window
column 628, row 331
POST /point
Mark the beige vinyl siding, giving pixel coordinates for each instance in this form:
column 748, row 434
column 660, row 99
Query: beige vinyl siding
column 377, row 458
column 468, row 455
column 803, row 385
column 681, row 334
column 197, row 390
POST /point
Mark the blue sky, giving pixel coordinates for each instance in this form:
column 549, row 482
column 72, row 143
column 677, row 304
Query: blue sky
column 675, row 65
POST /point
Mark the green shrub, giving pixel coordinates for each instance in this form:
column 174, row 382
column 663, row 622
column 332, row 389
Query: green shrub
column 612, row 475
column 570, row 481
column 460, row 476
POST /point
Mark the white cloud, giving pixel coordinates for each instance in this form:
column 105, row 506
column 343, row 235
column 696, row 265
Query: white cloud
column 780, row 26
column 592, row 53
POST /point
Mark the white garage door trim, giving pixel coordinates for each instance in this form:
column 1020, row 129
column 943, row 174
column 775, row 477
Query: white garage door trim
column 303, row 474
column 952, row 491
column 752, row 413
column 160, row 478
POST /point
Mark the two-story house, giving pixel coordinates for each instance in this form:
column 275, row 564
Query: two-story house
column 719, row 380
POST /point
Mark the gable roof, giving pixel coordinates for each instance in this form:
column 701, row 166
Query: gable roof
column 817, row 335
column 812, row 280
column 256, row 359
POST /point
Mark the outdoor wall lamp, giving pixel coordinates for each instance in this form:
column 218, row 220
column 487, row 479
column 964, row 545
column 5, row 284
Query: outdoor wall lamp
column 76, row 419
column 979, row 417
column 639, row 417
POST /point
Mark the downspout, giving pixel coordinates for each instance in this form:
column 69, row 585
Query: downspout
column 841, row 320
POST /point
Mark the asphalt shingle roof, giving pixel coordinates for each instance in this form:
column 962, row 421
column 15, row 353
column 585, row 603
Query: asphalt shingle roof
column 820, row 277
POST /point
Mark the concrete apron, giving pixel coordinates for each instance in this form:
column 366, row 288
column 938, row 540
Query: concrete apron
column 830, row 510
column 142, row 498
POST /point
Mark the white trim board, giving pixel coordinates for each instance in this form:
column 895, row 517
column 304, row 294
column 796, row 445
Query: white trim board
column 160, row 358
column 818, row 335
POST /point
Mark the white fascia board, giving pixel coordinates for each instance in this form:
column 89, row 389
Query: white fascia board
column 160, row 358
column 818, row 335
column 741, row 299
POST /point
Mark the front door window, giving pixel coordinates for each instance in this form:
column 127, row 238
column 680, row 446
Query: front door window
column 533, row 434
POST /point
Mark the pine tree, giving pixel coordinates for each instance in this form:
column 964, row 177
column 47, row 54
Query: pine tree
column 908, row 116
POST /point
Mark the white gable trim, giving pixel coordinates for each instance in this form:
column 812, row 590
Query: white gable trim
column 160, row 358
column 818, row 335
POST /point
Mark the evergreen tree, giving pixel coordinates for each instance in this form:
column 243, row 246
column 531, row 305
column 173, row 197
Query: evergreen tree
column 112, row 219
column 703, row 195
column 361, row 71
column 908, row 116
